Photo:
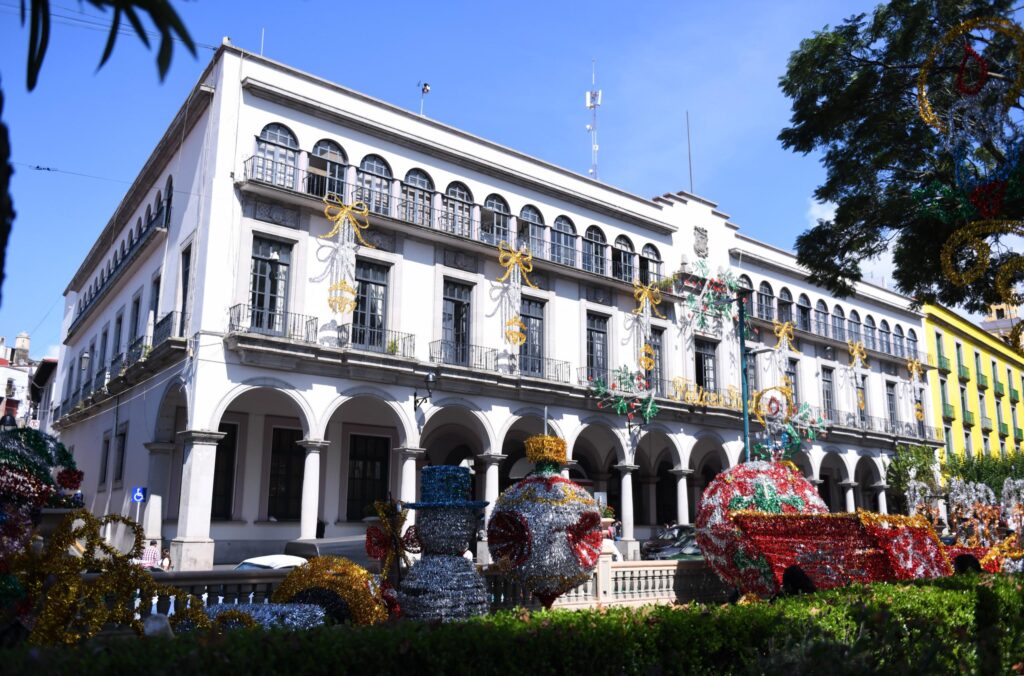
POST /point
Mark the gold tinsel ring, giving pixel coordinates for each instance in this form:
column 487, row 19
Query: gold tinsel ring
column 224, row 620
column 545, row 448
column 999, row 25
column 973, row 237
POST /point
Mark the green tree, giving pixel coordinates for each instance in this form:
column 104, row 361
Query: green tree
column 853, row 90
column 164, row 19
column 897, row 474
column 986, row 469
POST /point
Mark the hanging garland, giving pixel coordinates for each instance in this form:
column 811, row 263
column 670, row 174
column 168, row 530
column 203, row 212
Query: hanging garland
column 627, row 394
column 347, row 223
column 706, row 298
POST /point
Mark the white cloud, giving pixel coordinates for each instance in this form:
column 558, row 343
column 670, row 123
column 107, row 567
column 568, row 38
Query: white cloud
column 819, row 210
column 53, row 352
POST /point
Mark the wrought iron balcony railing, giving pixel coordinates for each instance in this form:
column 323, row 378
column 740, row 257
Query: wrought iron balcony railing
column 262, row 321
column 948, row 412
column 555, row 370
column 963, row 372
column 1014, row 396
column 455, row 353
column 999, row 388
column 381, row 341
column 1004, row 430
column 982, row 381
column 171, row 325
column 944, row 364
column 986, row 424
column 968, row 418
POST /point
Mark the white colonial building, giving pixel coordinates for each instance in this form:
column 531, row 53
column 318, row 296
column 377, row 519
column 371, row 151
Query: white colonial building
column 203, row 361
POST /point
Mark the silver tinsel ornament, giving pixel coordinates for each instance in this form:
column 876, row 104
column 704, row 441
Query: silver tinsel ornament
column 547, row 528
column 443, row 585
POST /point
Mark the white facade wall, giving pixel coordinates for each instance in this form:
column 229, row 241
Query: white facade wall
column 214, row 376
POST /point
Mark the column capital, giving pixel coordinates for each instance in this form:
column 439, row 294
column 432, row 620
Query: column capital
column 817, row 482
column 848, row 484
column 491, row 458
column 880, row 486
column 201, row 436
column 626, row 468
column 681, row 472
column 159, row 447
column 410, row 451
column 314, row 445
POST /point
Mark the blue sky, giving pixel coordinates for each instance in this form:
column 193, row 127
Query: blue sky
column 511, row 72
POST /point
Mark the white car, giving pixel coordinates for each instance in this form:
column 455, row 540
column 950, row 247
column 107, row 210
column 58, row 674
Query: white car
column 271, row 562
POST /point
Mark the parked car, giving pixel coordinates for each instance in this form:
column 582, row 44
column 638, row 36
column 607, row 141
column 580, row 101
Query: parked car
column 351, row 547
column 666, row 538
column 684, row 548
column 271, row 562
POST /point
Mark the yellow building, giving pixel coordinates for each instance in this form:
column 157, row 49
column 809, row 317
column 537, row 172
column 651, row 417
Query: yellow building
column 976, row 388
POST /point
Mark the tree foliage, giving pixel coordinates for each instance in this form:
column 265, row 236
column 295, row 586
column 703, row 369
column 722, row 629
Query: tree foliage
column 854, row 100
column 37, row 14
column 986, row 469
column 897, row 474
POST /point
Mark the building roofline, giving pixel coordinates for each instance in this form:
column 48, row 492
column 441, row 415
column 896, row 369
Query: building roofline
column 947, row 317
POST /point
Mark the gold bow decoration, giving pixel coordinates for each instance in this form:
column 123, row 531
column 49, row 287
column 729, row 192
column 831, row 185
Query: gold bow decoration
column 385, row 541
column 337, row 212
column 649, row 295
column 914, row 368
column 510, row 258
column 337, row 301
column 919, row 412
column 647, row 357
column 515, row 331
column 857, row 352
column 784, row 332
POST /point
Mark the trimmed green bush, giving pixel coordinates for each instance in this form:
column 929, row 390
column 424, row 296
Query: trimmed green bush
column 961, row 625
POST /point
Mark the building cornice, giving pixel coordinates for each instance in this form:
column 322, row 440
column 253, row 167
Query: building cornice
column 188, row 115
column 376, row 129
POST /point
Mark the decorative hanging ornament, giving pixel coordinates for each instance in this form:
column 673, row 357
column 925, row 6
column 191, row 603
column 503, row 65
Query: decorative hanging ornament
column 338, row 301
column 340, row 214
column 919, row 412
column 647, row 358
column 511, row 259
column 784, row 336
column 546, row 530
column 515, row 331
column 914, row 368
column 648, row 298
column 858, row 353
column 386, row 542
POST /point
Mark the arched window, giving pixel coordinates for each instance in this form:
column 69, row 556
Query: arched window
column 149, row 217
column 883, row 337
column 169, row 193
column 650, row 264
column 765, row 301
column 495, row 219
column 821, row 318
column 785, row 305
column 158, row 203
column 277, row 153
column 854, row 326
column 748, row 298
column 531, row 230
column 326, row 169
column 563, row 241
column 869, row 333
column 373, row 184
column 803, row 313
column 622, row 259
column 839, row 324
column 899, row 349
column 417, row 193
column 458, row 210
column 595, row 248
column 912, row 344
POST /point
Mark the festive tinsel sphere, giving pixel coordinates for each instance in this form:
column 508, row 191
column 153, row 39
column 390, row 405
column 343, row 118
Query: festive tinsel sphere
column 767, row 487
column 344, row 589
column 546, row 528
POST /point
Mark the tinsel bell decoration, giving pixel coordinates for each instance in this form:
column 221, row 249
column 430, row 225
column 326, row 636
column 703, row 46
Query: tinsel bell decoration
column 443, row 585
column 545, row 528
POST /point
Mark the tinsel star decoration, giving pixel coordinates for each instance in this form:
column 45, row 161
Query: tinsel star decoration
column 628, row 393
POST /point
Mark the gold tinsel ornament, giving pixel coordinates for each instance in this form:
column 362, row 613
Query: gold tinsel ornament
column 340, row 577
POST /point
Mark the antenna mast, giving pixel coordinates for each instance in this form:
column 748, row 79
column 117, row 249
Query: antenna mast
column 593, row 102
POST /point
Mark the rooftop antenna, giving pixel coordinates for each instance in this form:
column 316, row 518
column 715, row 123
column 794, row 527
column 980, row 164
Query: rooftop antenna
column 689, row 156
column 424, row 90
column 262, row 33
column 593, row 102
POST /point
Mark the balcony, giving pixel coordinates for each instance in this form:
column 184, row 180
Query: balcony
column 99, row 380
column 138, row 348
column 676, row 389
column 287, row 325
column 1018, row 434
column 381, row 341
column 943, row 364
column 151, row 232
column 982, row 381
column 1000, row 389
column 1014, row 396
column 968, row 418
column 171, row 325
column 963, row 372
column 454, row 353
column 986, row 424
column 554, row 370
column 948, row 412
column 117, row 365
column 1004, row 430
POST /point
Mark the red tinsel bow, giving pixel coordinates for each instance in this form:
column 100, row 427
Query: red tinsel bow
column 70, row 479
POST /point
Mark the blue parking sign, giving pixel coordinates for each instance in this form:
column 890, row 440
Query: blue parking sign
column 139, row 494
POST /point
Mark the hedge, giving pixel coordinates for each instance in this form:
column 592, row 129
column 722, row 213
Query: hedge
column 953, row 626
